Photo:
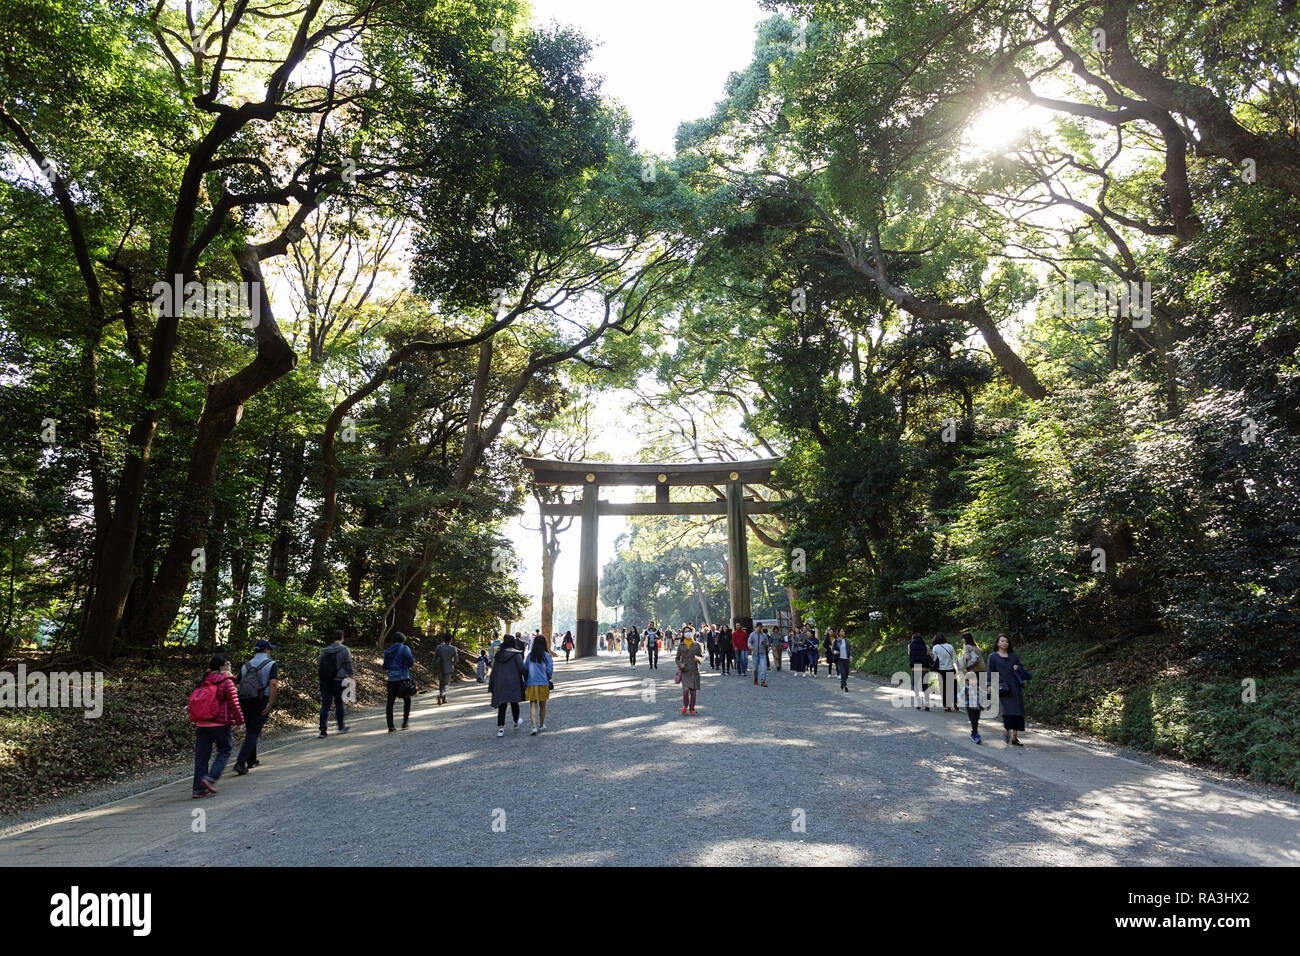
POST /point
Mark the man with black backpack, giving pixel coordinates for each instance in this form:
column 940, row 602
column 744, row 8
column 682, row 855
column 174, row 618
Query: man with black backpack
column 334, row 665
column 259, row 680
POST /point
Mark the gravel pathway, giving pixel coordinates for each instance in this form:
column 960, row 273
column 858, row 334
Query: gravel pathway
column 797, row 773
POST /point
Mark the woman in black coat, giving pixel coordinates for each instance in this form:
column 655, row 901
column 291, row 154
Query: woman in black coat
column 1007, row 684
column 918, row 653
column 507, row 683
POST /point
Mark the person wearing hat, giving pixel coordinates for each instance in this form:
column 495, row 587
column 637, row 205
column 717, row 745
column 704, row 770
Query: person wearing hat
column 259, row 681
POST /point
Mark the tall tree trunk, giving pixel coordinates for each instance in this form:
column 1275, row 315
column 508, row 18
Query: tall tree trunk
column 796, row 615
column 242, row 558
column 408, row 604
column 550, row 551
column 142, row 580
column 210, row 591
column 241, row 570
column 221, row 413
column 286, row 505
column 699, row 593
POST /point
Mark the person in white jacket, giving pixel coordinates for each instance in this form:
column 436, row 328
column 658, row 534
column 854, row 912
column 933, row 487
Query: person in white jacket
column 945, row 656
column 844, row 653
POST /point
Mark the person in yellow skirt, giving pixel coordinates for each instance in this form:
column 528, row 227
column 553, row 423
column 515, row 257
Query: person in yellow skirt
column 537, row 686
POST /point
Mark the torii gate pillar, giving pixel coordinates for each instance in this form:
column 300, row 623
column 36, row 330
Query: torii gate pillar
column 738, row 557
column 587, row 565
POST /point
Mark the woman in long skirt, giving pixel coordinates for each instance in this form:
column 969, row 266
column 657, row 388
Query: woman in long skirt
column 1005, row 676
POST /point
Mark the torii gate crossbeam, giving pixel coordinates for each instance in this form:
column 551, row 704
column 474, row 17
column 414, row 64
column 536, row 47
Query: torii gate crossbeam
column 592, row 474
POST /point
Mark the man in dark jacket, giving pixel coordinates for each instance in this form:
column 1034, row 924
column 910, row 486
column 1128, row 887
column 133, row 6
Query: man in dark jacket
column 398, row 661
column 259, row 682
column 334, row 666
column 445, row 659
column 920, row 662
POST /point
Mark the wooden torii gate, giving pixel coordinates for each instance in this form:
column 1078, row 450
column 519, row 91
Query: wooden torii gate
column 592, row 474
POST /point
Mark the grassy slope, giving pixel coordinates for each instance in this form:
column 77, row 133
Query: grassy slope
column 1133, row 695
column 49, row 753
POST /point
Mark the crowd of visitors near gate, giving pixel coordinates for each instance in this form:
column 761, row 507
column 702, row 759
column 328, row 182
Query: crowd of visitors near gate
column 518, row 667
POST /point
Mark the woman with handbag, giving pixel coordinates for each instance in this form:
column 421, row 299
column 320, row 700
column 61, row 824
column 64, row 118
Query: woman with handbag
column 398, row 661
column 689, row 655
column 1009, row 686
column 971, row 665
column 537, row 687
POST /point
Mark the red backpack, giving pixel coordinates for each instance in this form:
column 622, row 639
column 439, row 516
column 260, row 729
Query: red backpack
column 205, row 703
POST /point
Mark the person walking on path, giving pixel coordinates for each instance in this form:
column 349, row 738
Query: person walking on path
column 259, row 682
column 689, row 655
column 726, row 653
column 760, row 669
column 567, row 644
column 480, row 667
column 945, row 659
column 919, row 663
column 537, row 687
column 507, row 683
column 828, row 648
column 843, row 658
column 778, row 647
column 633, row 642
column 333, row 667
column 810, row 652
column 398, row 661
column 444, row 657
column 214, row 709
column 1009, row 685
column 652, row 646
column 711, row 645
column 972, row 665
column 740, row 642
column 496, row 646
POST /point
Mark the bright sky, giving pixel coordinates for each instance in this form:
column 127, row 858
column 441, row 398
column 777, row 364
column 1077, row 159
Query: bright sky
column 666, row 63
